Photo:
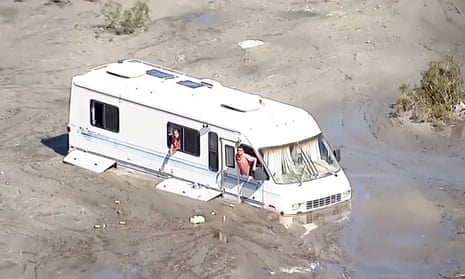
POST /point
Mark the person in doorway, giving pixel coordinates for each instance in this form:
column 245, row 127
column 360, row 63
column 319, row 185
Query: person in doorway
column 175, row 144
column 245, row 161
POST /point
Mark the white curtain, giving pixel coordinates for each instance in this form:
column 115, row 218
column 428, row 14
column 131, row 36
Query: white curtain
column 311, row 148
column 279, row 161
column 282, row 162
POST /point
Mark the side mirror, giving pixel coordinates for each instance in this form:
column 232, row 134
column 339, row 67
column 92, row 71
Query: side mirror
column 260, row 174
column 337, row 154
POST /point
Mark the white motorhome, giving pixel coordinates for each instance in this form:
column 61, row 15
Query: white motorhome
column 123, row 114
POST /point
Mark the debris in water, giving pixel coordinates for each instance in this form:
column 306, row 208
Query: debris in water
column 98, row 226
column 271, row 271
column 314, row 265
column 2, row 172
column 222, row 237
column 455, row 276
column 250, row 43
column 296, row 269
column 300, row 269
column 197, row 219
column 213, row 212
column 458, row 10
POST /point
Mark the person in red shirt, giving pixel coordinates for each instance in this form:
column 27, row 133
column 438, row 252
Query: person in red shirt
column 244, row 161
column 175, row 142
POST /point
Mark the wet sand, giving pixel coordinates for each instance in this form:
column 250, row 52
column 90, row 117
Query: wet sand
column 341, row 60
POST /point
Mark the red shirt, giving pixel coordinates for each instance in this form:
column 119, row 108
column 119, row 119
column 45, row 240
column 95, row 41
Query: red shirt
column 176, row 143
column 243, row 161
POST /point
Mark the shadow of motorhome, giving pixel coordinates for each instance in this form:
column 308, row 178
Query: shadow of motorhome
column 59, row 143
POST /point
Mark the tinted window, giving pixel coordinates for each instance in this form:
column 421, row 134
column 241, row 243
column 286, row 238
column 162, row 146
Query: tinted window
column 190, row 139
column 213, row 151
column 111, row 116
column 104, row 116
column 229, row 156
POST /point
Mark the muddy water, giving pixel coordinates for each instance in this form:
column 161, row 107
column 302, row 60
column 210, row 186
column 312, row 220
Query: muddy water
column 398, row 225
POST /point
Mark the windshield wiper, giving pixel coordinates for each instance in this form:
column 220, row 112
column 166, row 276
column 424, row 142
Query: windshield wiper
column 309, row 165
column 302, row 176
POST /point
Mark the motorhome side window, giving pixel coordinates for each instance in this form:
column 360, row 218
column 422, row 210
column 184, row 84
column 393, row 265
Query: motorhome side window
column 189, row 139
column 259, row 166
column 213, row 163
column 104, row 116
column 230, row 160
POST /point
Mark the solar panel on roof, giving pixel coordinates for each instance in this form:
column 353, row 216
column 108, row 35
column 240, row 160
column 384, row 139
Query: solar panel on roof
column 190, row 83
column 159, row 74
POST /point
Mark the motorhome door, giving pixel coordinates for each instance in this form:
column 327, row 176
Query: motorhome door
column 229, row 172
column 232, row 182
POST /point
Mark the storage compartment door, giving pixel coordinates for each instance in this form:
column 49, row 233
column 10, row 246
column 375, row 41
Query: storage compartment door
column 88, row 161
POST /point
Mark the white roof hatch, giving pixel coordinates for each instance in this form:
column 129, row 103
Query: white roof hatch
column 127, row 69
column 243, row 104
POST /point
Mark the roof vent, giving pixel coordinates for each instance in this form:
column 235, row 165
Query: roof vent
column 210, row 83
column 190, row 83
column 126, row 69
column 159, row 74
column 246, row 106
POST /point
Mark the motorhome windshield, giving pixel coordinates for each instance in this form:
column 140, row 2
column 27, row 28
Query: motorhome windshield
column 301, row 161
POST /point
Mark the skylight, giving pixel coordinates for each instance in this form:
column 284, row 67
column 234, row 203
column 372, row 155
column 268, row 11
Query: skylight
column 190, row 83
column 159, row 74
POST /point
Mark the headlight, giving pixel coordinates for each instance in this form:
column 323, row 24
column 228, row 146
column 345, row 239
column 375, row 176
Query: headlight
column 295, row 206
column 346, row 194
